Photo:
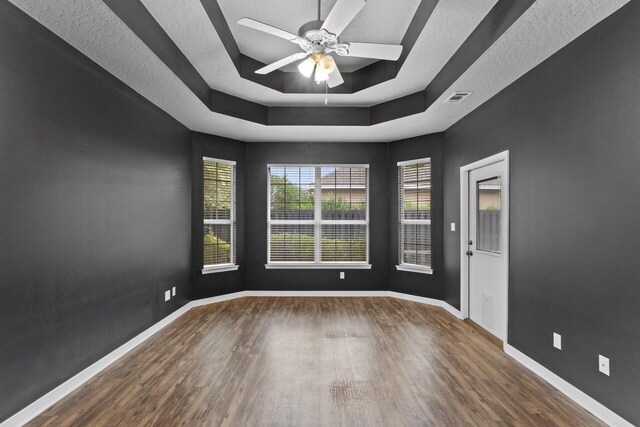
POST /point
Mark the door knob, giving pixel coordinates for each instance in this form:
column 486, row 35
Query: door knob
column 469, row 253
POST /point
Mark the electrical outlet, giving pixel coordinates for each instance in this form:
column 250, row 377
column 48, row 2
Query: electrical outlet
column 603, row 364
column 453, row 226
column 557, row 341
column 342, row 274
column 167, row 295
column 173, row 291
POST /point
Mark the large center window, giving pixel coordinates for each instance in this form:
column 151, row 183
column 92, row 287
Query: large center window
column 318, row 216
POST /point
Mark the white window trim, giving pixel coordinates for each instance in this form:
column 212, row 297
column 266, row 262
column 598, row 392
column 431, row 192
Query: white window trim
column 413, row 268
column 232, row 266
column 317, row 222
column 402, row 266
column 317, row 266
column 219, row 268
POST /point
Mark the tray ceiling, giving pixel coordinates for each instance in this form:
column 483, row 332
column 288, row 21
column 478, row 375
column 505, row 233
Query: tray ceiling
column 96, row 31
column 449, row 26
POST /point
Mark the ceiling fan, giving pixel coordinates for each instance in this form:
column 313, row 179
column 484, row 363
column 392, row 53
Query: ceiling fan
column 318, row 39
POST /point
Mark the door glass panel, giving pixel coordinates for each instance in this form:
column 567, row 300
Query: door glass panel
column 489, row 214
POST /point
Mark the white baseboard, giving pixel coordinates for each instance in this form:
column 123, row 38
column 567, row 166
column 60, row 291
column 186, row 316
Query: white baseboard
column 430, row 301
column 316, row 293
column 219, row 298
column 578, row 396
column 58, row 393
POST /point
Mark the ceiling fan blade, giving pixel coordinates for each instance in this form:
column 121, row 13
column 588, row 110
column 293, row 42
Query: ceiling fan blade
column 281, row 63
column 335, row 78
column 390, row 52
column 342, row 14
column 269, row 29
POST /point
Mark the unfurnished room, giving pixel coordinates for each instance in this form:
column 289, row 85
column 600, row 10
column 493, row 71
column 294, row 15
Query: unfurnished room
column 319, row 213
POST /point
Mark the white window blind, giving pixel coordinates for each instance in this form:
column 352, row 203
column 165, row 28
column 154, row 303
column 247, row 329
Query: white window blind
column 414, row 214
column 318, row 215
column 219, row 178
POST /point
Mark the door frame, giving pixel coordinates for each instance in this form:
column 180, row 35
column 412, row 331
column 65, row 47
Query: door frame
column 464, row 232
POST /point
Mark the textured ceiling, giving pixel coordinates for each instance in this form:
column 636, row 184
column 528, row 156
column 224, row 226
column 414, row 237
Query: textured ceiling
column 92, row 28
column 291, row 15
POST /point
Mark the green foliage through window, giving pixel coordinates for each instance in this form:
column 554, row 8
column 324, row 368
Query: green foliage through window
column 216, row 250
column 303, row 249
column 331, row 202
column 286, row 195
column 217, row 186
column 409, row 206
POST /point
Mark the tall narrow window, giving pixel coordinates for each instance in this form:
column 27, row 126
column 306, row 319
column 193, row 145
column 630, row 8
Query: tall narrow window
column 219, row 178
column 414, row 216
column 318, row 216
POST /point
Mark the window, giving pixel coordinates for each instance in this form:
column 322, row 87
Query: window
column 414, row 216
column 489, row 214
column 318, row 216
column 219, row 202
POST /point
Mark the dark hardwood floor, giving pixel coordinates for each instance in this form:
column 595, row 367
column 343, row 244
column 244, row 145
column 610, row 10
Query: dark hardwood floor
column 316, row 361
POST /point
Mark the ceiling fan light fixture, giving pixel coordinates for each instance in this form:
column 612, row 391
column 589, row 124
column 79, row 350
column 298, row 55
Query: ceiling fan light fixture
column 319, row 39
column 307, row 66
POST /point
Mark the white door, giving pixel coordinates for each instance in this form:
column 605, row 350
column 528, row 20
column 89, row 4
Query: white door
column 486, row 248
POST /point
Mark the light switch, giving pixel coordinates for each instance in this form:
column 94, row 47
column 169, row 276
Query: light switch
column 167, row 295
column 603, row 364
column 453, row 226
column 173, row 291
column 342, row 274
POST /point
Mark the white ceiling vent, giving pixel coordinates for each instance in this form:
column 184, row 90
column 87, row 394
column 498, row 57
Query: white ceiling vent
column 457, row 97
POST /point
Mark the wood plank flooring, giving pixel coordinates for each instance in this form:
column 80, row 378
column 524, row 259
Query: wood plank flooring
column 316, row 362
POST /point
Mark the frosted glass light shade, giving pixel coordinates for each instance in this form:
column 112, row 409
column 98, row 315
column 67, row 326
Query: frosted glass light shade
column 306, row 67
column 321, row 76
column 327, row 64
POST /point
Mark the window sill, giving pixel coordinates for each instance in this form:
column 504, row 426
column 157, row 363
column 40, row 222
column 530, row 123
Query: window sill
column 414, row 269
column 315, row 266
column 220, row 268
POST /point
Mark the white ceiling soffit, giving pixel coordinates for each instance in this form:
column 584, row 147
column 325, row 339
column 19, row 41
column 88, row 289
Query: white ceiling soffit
column 449, row 26
column 291, row 15
column 92, row 28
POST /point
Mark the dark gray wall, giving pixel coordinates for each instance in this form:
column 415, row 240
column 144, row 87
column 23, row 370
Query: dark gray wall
column 425, row 285
column 207, row 285
column 572, row 126
column 260, row 154
column 94, row 211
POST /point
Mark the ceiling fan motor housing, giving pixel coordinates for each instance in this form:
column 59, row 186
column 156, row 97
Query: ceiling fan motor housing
column 317, row 39
column 310, row 27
